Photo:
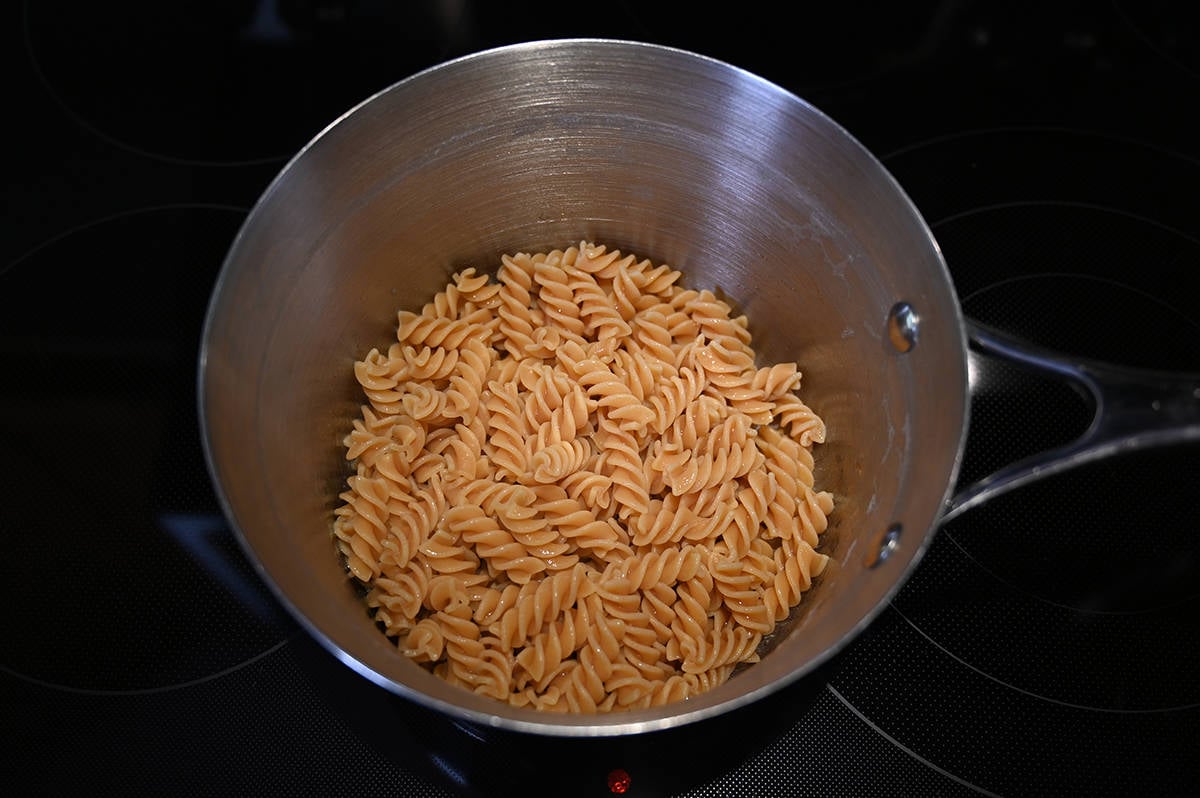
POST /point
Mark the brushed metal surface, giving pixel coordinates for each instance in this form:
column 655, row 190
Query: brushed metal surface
column 670, row 155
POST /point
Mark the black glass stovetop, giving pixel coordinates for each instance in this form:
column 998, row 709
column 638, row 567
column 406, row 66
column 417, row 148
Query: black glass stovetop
column 1047, row 644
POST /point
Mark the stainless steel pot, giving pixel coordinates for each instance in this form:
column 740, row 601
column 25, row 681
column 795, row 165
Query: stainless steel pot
column 663, row 153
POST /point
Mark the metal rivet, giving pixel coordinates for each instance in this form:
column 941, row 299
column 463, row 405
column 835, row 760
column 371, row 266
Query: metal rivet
column 888, row 542
column 902, row 326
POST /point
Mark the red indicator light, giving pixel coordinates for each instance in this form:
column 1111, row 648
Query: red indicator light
column 618, row 782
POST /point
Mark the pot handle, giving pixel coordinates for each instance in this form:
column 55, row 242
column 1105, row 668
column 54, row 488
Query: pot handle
column 1134, row 409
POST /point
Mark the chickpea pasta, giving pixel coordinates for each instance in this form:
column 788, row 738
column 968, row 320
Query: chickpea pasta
column 576, row 489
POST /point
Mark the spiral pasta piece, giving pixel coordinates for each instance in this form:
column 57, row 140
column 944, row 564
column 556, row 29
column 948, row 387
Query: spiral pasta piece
column 573, row 521
column 443, row 554
column 477, row 289
column 466, row 381
column 713, row 315
column 493, row 543
column 416, row 329
column 542, row 659
column 555, row 295
column 538, row 602
column 576, row 489
column 515, row 310
column 601, row 319
column 653, row 339
column 591, row 488
column 567, row 421
column 401, row 591
column 679, row 392
column 506, row 430
column 691, row 463
column 624, row 466
column 725, row 644
column 665, row 567
column 601, row 262
column 379, row 375
column 796, row 563
column 555, row 461
column 753, row 505
column 799, row 420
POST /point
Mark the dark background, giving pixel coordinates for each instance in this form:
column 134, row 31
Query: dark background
column 1047, row 644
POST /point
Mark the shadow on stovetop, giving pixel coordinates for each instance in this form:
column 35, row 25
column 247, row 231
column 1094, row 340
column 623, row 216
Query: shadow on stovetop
column 471, row 760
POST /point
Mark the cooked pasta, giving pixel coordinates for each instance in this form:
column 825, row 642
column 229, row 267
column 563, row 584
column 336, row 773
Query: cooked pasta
column 576, row 489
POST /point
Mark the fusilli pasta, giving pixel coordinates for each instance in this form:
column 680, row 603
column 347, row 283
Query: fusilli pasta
column 575, row 487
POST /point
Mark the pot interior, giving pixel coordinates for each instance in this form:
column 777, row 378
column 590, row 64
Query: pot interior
column 745, row 188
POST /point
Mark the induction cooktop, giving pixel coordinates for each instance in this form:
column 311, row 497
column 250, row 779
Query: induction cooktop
column 1046, row 645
